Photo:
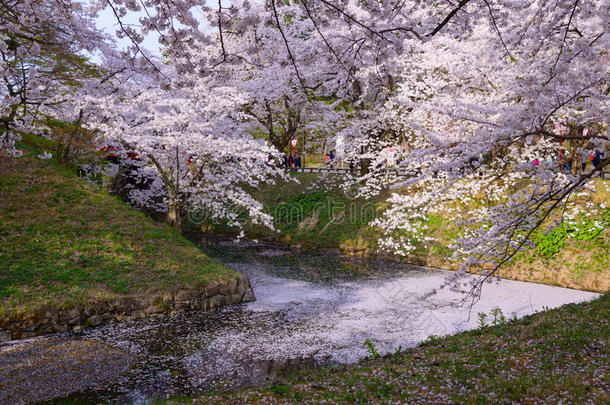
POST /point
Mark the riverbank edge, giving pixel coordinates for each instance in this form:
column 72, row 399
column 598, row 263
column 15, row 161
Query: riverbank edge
column 540, row 276
column 516, row 273
column 21, row 323
column 315, row 213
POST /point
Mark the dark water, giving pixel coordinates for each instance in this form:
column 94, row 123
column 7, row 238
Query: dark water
column 300, row 264
column 312, row 309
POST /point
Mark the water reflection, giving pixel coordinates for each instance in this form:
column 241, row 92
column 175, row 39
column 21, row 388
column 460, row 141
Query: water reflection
column 300, row 264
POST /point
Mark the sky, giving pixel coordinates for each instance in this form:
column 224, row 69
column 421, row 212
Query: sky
column 108, row 23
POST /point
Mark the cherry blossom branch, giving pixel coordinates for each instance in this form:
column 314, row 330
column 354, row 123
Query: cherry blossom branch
column 133, row 41
column 565, row 34
column 222, row 42
column 349, row 17
column 493, row 20
column 549, row 134
column 448, row 18
column 557, row 197
column 332, row 50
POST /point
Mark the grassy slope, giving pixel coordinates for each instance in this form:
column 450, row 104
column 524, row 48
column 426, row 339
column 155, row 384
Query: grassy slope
column 310, row 225
column 582, row 264
column 561, row 355
column 63, row 239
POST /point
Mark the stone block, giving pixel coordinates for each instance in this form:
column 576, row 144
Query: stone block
column 5, row 336
column 73, row 312
column 182, row 295
column 212, row 289
column 248, row 296
column 217, row 300
column 95, row 320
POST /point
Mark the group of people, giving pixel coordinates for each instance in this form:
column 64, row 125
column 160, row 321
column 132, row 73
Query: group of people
column 595, row 158
column 291, row 161
column 329, row 159
column 288, row 161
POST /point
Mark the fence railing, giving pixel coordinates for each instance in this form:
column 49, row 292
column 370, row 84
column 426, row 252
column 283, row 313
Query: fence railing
column 397, row 172
column 345, row 170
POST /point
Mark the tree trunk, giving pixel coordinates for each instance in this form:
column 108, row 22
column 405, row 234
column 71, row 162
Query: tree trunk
column 575, row 159
column 364, row 163
column 280, row 141
column 174, row 214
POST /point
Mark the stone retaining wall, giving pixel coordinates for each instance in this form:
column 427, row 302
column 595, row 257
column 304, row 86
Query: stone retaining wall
column 21, row 324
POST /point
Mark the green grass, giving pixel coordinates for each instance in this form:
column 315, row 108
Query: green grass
column 63, row 239
column 557, row 355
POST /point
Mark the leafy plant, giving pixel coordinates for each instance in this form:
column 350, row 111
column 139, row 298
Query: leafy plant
column 482, row 320
column 499, row 317
column 550, row 243
column 371, row 348
column 281, row 390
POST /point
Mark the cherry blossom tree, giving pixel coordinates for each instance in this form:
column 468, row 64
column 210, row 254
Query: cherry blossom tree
column 472, row 89
column 498, row 96
column 191, row 146
column 281, row 101
column 41, row 46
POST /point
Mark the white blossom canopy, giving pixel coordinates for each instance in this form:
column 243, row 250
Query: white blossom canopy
column 458, row 82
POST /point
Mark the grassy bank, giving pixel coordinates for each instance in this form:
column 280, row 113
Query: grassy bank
column 317, row 214
column 560, row 355
column 311, row 214
column 64, row 241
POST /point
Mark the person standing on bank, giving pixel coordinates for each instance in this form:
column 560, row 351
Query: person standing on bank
column 585, row 157
column 597, row 159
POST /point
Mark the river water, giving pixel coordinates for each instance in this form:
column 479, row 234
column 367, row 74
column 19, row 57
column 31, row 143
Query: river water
column 312, row 309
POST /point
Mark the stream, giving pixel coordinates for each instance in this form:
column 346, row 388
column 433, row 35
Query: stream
column 312, row 309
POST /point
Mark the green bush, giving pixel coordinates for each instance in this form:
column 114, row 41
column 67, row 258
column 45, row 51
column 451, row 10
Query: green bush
column 550, row 243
